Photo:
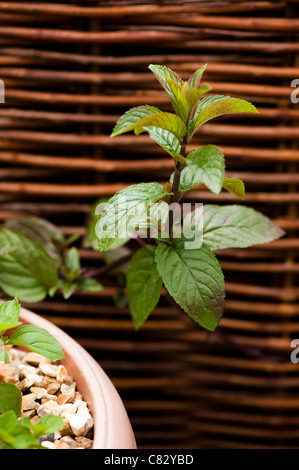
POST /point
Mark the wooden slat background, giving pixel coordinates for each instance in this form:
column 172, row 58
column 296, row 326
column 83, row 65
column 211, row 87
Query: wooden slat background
column 70, row 71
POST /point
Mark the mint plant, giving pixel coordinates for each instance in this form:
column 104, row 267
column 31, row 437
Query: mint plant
column 192, row 277
column 18, row 433
column 144, row 232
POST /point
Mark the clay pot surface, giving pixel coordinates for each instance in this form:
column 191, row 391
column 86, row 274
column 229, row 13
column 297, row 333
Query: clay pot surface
column 112, row 428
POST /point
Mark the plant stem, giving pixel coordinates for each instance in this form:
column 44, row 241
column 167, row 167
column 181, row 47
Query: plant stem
column 104, row 270
column 176, row 181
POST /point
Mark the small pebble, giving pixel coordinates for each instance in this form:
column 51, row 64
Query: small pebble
column 49, row 437
column 49, row 369
column 68, row 380
column 61, row 373
column 49, row 408
column 33, row 358
column 28, row 414
column 79, row 404
column 66, row 431
column 43, row 381
column 8, row 370
column 48, row 444
column 84, row 441
column 71, row 442
column 80, row 425
column 35, row 419
column 27, row 382
column 48, row 397
column 45, row 360
column 28, row 402
column 53, row 387
column 11, row 380
column 15, row 354
column 64, row 398
column 39, row 392
column 68, row 408
column 59, row 444
column 26, row 370
column 57, row 435
column 69, row 389
column 78, row 396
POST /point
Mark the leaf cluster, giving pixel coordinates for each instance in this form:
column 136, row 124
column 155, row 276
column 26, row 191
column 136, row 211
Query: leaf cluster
column 36, row 260
column 22, row 434
column 32, row 337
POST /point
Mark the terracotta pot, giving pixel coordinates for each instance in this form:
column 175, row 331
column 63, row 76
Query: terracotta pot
column 112, row 428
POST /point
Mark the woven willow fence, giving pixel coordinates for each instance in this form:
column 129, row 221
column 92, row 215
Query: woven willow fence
column 70, row 71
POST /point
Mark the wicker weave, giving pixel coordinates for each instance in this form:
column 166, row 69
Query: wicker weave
column 70, row 71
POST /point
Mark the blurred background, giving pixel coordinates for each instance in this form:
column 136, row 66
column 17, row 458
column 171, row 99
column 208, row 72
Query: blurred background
column 70, row 71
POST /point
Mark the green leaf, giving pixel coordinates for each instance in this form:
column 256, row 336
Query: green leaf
column 9, row 315
column 91, row 240
column 200, row 106
column 4, row 250
column 90, row 285
column 188, row 180
column 72, row 259
column 8, row 418
column 184, row 95
column 179, row 99
column 124, row 209
column 71, row 270
column 8, row 422
column 235, row 186
column 10, row 399
column 207, row 165
column 168, row 121
column 47, row 425
column 71, row 239
column 195, row 78
column 195, row 280
column 167, row 187
column 68, row 288
column 163, row 74
column 28, row 271
column 54, row 289
column 3, row 353
column 38, row 340
column 233, row 226
column 69, row 275
column 194, row 94
column 143, row 284
column 79, row 285
column 128, row 121
column 40, row 230
column 210, row 108
column 165, row 139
